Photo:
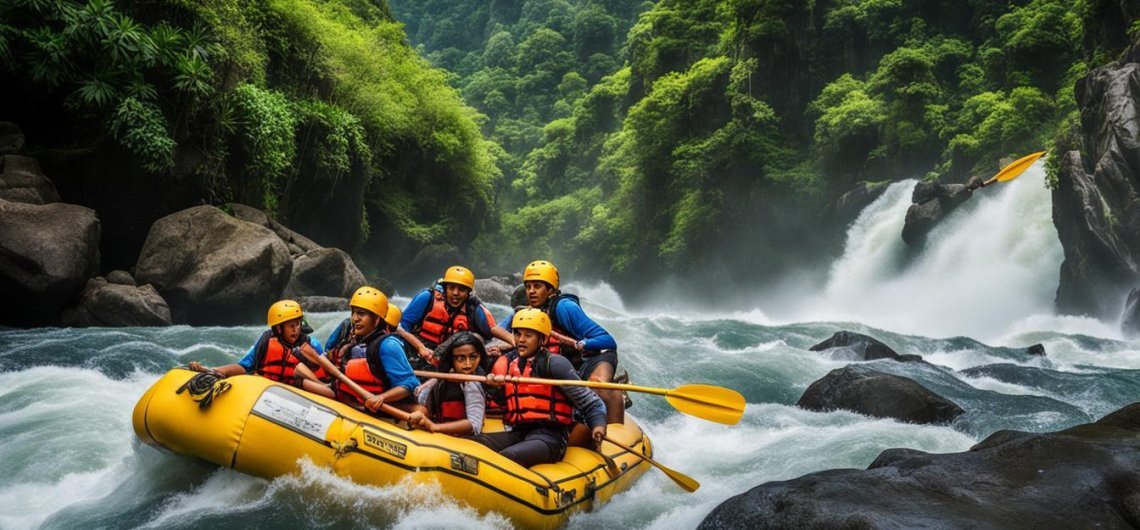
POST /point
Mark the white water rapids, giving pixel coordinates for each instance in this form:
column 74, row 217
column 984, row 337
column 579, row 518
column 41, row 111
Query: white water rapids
column 988, row 272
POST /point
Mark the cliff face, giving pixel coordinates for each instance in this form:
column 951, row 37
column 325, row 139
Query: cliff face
column 1097, row 214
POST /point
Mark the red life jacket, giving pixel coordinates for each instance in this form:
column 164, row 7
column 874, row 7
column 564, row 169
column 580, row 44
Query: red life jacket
column 532, row 403
column 496, row 401
column 441, row 321
column 362, row 371
column 448, row 403
column 274, row 360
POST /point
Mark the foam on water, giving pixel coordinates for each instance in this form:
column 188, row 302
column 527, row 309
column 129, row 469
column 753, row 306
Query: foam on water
column 988, row 272
column 73, row 460
column 66, row 433
column 772, row 442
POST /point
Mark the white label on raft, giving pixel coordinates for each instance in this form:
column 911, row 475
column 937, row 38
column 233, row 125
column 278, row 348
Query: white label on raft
column 295, row 412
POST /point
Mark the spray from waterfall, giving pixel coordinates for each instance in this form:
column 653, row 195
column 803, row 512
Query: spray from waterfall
column 987, row 266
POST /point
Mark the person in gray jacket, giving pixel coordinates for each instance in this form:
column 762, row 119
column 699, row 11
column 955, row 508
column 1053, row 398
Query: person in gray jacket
column 455, row 408
column 539, row 416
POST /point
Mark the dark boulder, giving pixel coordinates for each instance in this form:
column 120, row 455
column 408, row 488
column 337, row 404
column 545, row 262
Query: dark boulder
column 21, row 180
column 497, row 289
column 1084, row 475
column 297, row 243
column 213, row 268
column 849, row 205
column 932, row 201
column 878, row 394
column 324, row 272
column 11, row 138
column 1037, row 350
column 47, row 253
column 121, row 278
column 110, row 304
column 518, row 297
column 322, row 304
column 1096, row 214
column 851, row 346
column 1130, row 323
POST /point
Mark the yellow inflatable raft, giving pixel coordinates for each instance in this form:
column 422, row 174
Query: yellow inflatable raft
column 264, row 428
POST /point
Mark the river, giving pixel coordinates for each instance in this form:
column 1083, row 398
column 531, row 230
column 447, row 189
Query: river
column 978, row 293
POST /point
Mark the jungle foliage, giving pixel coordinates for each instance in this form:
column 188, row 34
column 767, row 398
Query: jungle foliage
column 725, row 126
column 315, row 111
column 613, row 136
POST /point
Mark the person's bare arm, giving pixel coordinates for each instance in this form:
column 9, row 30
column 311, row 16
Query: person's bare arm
column 424, row 351
column 225, row 370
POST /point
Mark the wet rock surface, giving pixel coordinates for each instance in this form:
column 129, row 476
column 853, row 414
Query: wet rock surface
column 322, row 304
column 297, row 243
column 1085, row 475
column 878, row 394
column 1096, row 214
column 103, row 303
column 213, row 268
column 497, row 289
column 851, row 346
column 324, row 272
column 932, row 201
column 47, row 253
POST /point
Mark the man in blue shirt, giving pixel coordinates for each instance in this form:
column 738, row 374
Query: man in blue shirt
column 588, row 346
column 373, row 358
column 278, row 352
column 442, row 310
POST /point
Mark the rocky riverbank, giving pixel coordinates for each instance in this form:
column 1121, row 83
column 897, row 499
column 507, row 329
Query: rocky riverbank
column 202, row 265
column 1085, row 476
column 1011, row 479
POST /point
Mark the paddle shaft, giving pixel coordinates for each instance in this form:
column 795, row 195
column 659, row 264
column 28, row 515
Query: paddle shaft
column 332, row 370
column 536, row 380
column 712, row 403
column 686, row 482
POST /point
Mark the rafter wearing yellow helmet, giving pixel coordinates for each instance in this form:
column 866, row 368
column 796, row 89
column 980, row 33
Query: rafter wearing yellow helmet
column 368, row 354
column 440, row 311
column 591, row 348
column 540, row 415
column 278, row 351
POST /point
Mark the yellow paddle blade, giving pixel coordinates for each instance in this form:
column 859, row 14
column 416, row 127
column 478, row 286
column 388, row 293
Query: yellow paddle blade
column 713, row 403
column 686, row 482
column 1017, row 167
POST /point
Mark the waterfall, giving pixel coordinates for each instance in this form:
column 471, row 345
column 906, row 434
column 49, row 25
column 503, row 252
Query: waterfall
column 987, row 266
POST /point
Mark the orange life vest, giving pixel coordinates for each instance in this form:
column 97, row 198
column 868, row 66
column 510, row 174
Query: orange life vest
column 448, row 403
column 532, row 403
column 274, row 360
column 441, row 321
column 362, row 371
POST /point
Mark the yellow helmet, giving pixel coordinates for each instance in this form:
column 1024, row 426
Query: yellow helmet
column 394, row 315
column 459, row 275
column 543, row 271
column 531, row 318
column 370, row 299
column 283, row 311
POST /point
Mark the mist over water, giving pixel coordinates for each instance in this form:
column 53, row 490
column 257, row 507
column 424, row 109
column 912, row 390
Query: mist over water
column 987, row 267
column 968, row 303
